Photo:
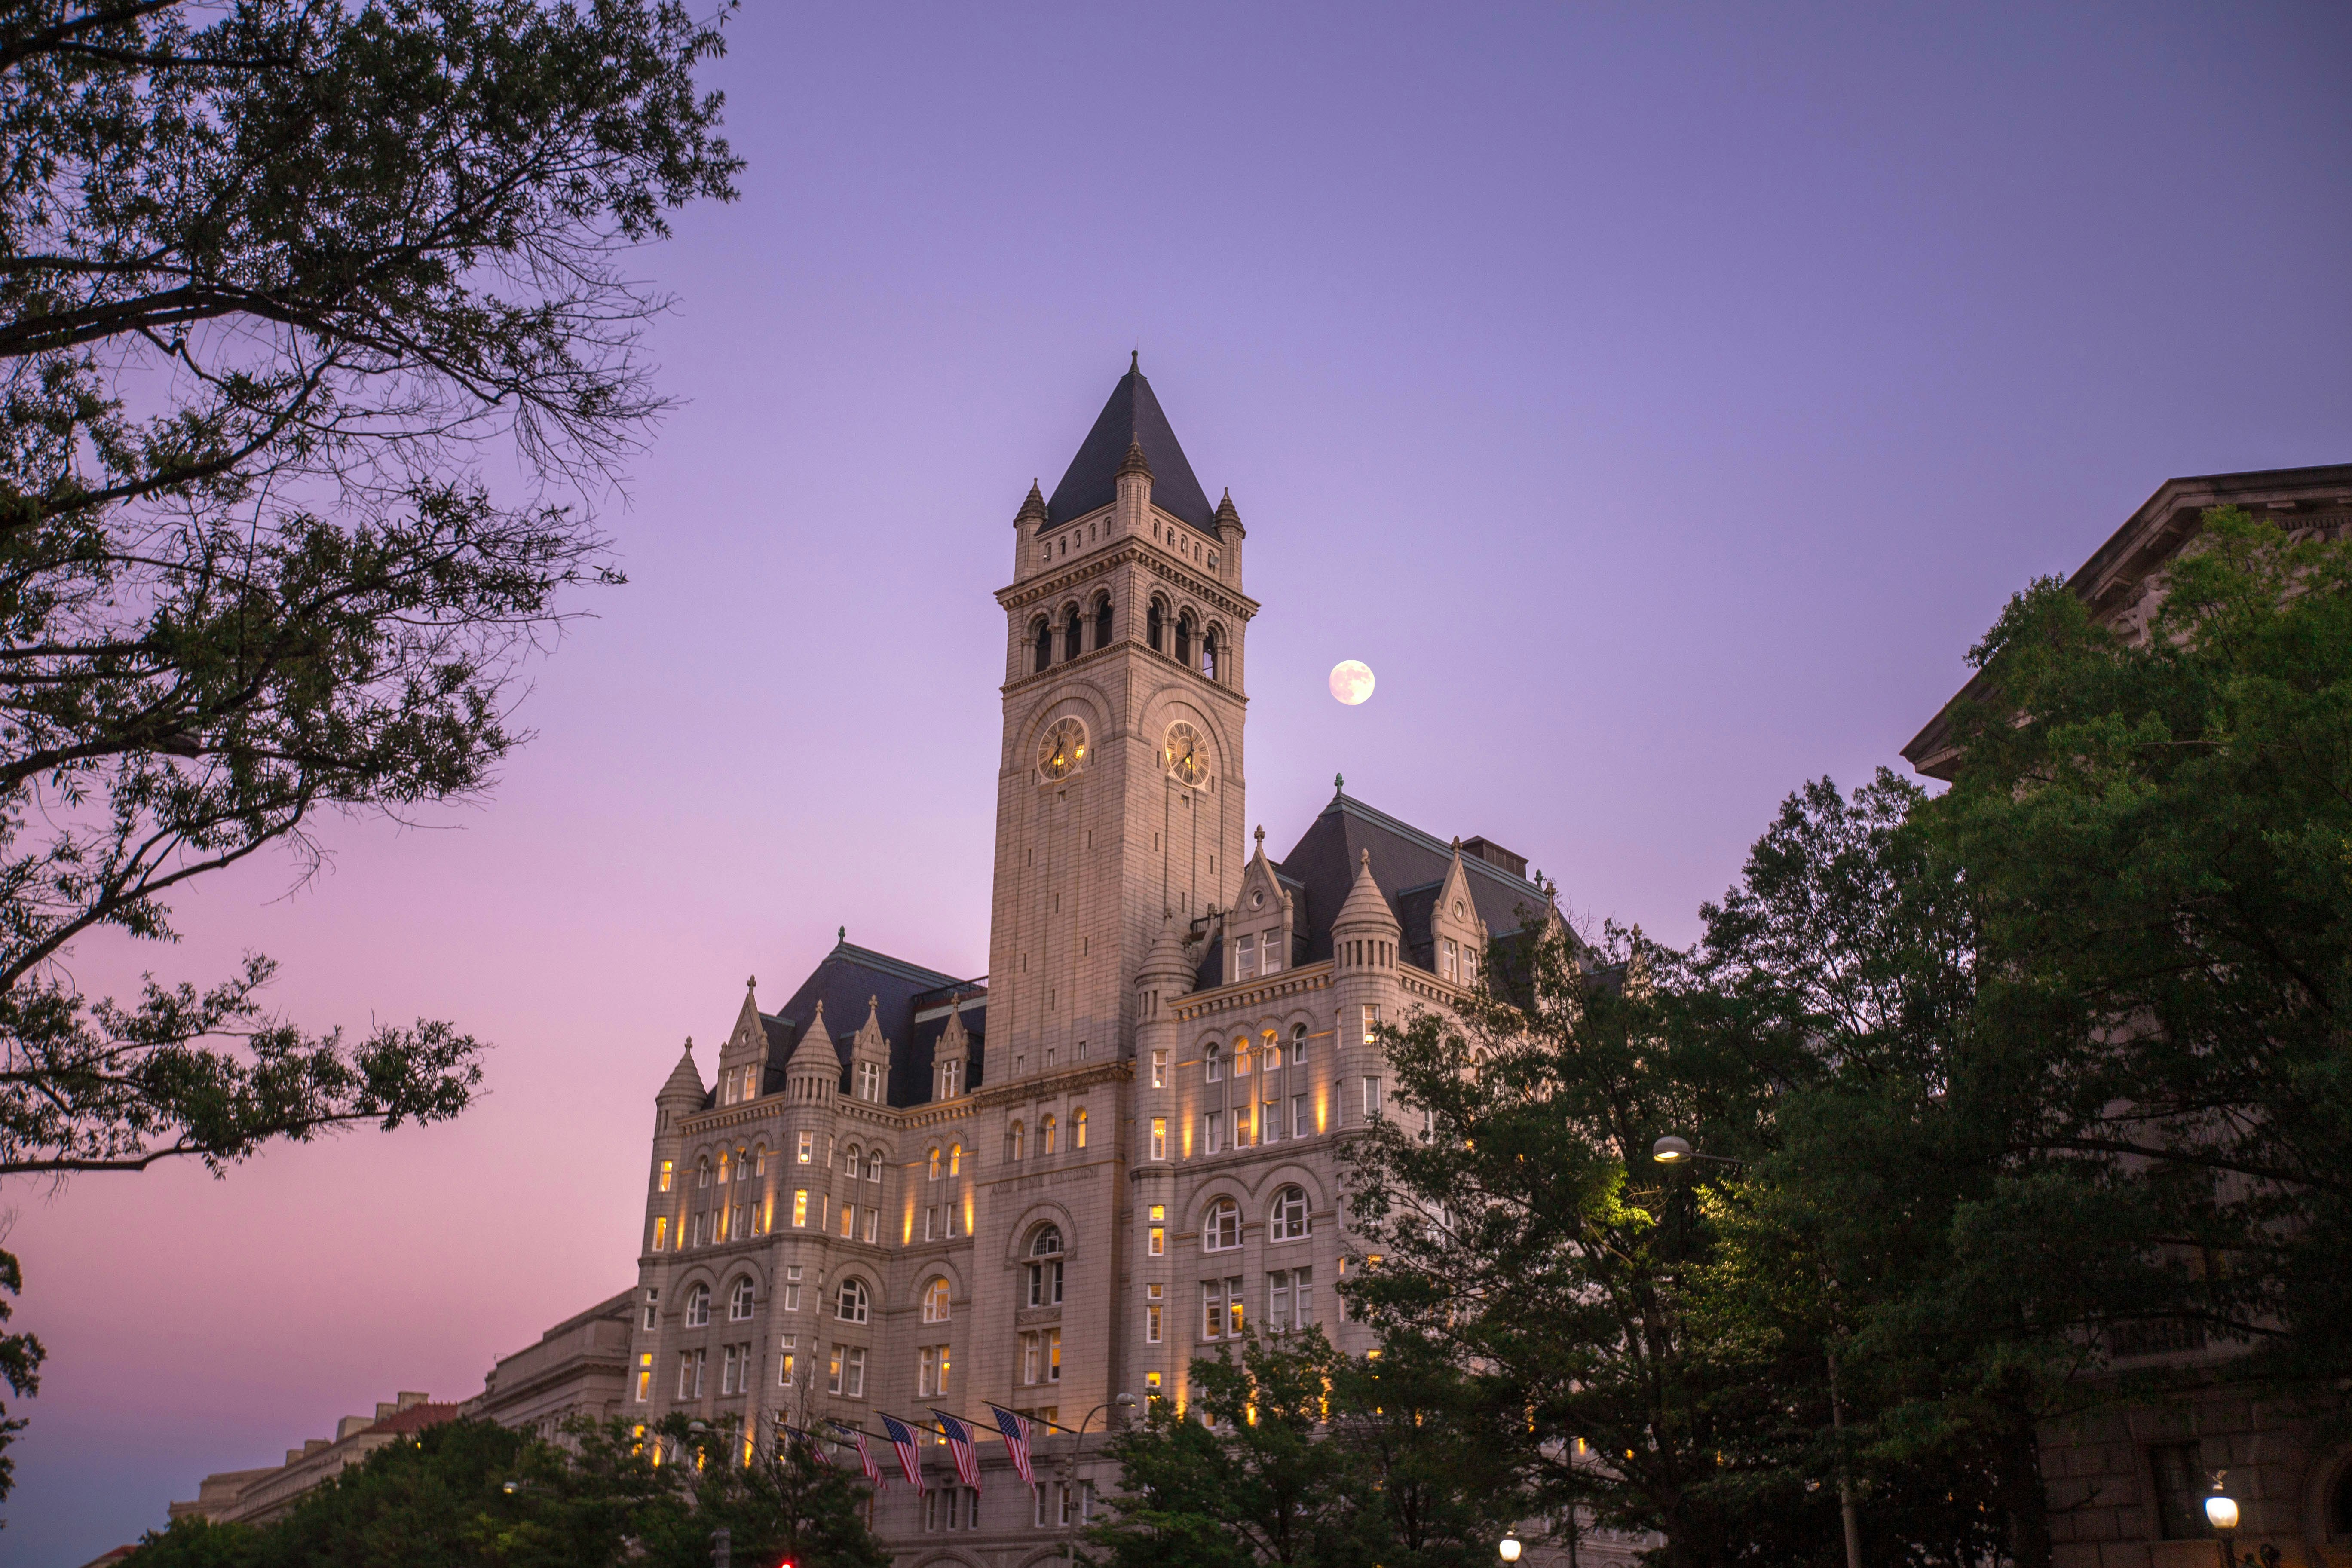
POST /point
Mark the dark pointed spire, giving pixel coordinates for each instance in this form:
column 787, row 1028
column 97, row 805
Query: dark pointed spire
column 1131, row 418
column 1033, row 507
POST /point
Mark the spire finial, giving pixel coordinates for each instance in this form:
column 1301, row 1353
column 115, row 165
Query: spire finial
column 842, row 934
column 1134, row 361
column 1261, row 837
column 1339, row 783
column 752, row 983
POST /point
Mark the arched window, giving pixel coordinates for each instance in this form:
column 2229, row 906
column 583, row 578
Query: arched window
column 934, row 1162
column 1155, row 628
column 955, row 1158
column 850, row 1165
column 1216, row 1062
column 1222, row 1230
column 1042, row 633
column 1013, row 1142
column 1045, row 1267
column 1209, row 654
column 1287, row 1219
column 722, row 1167
column 738, row 1301
column 1102, row 622
column 698, row 1307
column 1079, row 1127
column 1073, row 630
column 874, row 1164
column 702, row 1172
column 760, row 1160
column 850, row 1307
column 935, row 1302
column 1299, row 1045
column 1046, row 1131
column 1184, row 639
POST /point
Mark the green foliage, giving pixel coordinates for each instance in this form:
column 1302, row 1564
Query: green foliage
column 1313, row 1460
column 472, row 1494
column 21, row 1355
column 275, row 279
column 1513, row 1225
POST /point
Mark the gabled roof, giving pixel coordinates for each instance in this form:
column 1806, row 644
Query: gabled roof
column 1131, row 417
column 1408, row 867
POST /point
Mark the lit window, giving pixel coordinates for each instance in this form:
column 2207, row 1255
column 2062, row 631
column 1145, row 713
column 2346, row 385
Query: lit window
column 1158, row 1080
column 739, row 1302
column 807, row 1147
column 698, row 1307
column 1242, row 1057
column 1222, row 1231
column 1052, row 1355
column 833, row 1372
column 1079, row 1127
column 1157, row 1243
column 1045, row 1131
column 722, row 1167
column 1159, row 1138
column 1152, row 1306
column 661, row 1233
column 1290, row 1216
column 1013, row 1142
column 935, row 1163
column 645, row 1376
column 935, row 1302
column 848, row 1222
column 784, row 1359
column 955, row 1158
column 851, row 1306
column 1371, row 1021
column 669, row 1168
column 800, row 1207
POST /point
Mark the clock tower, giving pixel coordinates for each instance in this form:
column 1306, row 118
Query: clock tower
column 1120, row 787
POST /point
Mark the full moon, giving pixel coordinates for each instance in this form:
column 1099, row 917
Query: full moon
column 1351, row 680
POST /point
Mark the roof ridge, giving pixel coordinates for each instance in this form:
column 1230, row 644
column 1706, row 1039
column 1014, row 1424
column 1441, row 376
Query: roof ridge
column 1344, row 803
column 906, row 969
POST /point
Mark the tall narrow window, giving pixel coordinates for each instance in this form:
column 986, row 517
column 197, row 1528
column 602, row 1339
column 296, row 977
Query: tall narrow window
column 1245, row 957
column 1185, row 639
column 1102, row 622
column 1158, row 1072
column 1079, row 1127
column 1298, row 1045
column 667, row 1168
column 1047, row 1133
column 1159, row 1138
column 1151, row 1305
column 1156, row 632
column 1045, row 640
column 1216, row 1063
column 1072, row 630
column 955, row 1158
column 1209, row 654
column 934, row 1161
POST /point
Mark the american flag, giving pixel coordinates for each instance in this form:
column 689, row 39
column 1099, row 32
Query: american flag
column 967, row 1461
column 908, row 1459
column 1016, row 1441
column 814, row 1445
column 865, row 1455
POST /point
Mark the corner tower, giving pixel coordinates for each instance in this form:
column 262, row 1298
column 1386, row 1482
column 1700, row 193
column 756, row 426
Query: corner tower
column 1120, row 789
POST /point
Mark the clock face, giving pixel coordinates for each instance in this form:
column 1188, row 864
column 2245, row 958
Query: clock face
column 1186, row 755
column 1063, row 750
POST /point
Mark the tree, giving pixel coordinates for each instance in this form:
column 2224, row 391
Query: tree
column 2157, row 836
column 275, row 279
column 472, row 1494
column 1510, row 1220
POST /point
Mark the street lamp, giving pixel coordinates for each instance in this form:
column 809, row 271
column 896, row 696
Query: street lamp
column 2221, row 1513
column 1673, row 1151
column 1508, row 1549
column 1070, row 1465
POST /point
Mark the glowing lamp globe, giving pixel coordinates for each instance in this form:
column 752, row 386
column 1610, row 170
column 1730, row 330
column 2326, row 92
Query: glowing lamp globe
column 1670, row 1149
column 2221, row 1512
column 1509, row 1549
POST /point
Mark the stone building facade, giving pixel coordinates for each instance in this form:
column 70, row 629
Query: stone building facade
column 902, row 1190
column 2127, row 1482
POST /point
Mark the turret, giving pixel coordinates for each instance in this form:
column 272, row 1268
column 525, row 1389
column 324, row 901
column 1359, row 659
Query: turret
column 1364, row 939
column 813, row 1074
column 1230, row 529
column 1134, row 484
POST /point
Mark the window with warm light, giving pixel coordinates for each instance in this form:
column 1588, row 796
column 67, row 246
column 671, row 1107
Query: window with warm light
column 661, row 1233
column 807, row 1151
column 1221, row 1231
column 1079, row 1127
column 955, row 1158
column 1159, row 1138
column 1046, row 1131
column 800, row 1208
column 669, row 1168
column 933, row 1161
column 935, row 1302
column 645, row 1376
column 784, row 1359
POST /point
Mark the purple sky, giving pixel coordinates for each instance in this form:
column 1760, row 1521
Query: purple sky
column 1659, row 402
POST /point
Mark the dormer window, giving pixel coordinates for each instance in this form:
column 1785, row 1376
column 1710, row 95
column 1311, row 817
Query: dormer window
column 1269, row 957
column 869, row 1082
column 1245, row 957
column 1448, row 959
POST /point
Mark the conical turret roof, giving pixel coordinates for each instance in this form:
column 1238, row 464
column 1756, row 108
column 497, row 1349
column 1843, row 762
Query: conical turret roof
column 1366, row 905
column 684, row 1081
column 1166, row 961
column 1033, row 507
column 1132, row 419
column 815, row 1042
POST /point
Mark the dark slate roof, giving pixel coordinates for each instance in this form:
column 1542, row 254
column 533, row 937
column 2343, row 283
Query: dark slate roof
column 1133, row 415
column 842, row 979
column 1408, row 866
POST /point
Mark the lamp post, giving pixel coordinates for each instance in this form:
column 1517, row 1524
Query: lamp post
column 1070, row 1466
column 1670, row 1150
column 2221, row 1513
column 1508, row 1548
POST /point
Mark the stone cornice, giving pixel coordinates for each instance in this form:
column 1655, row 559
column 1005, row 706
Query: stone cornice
column 1208, row 589
column 1247, row 994
column 1044, row 1085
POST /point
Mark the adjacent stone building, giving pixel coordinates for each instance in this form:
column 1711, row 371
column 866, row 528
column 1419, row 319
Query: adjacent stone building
column 903, row 1190
column 2127, row 1484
